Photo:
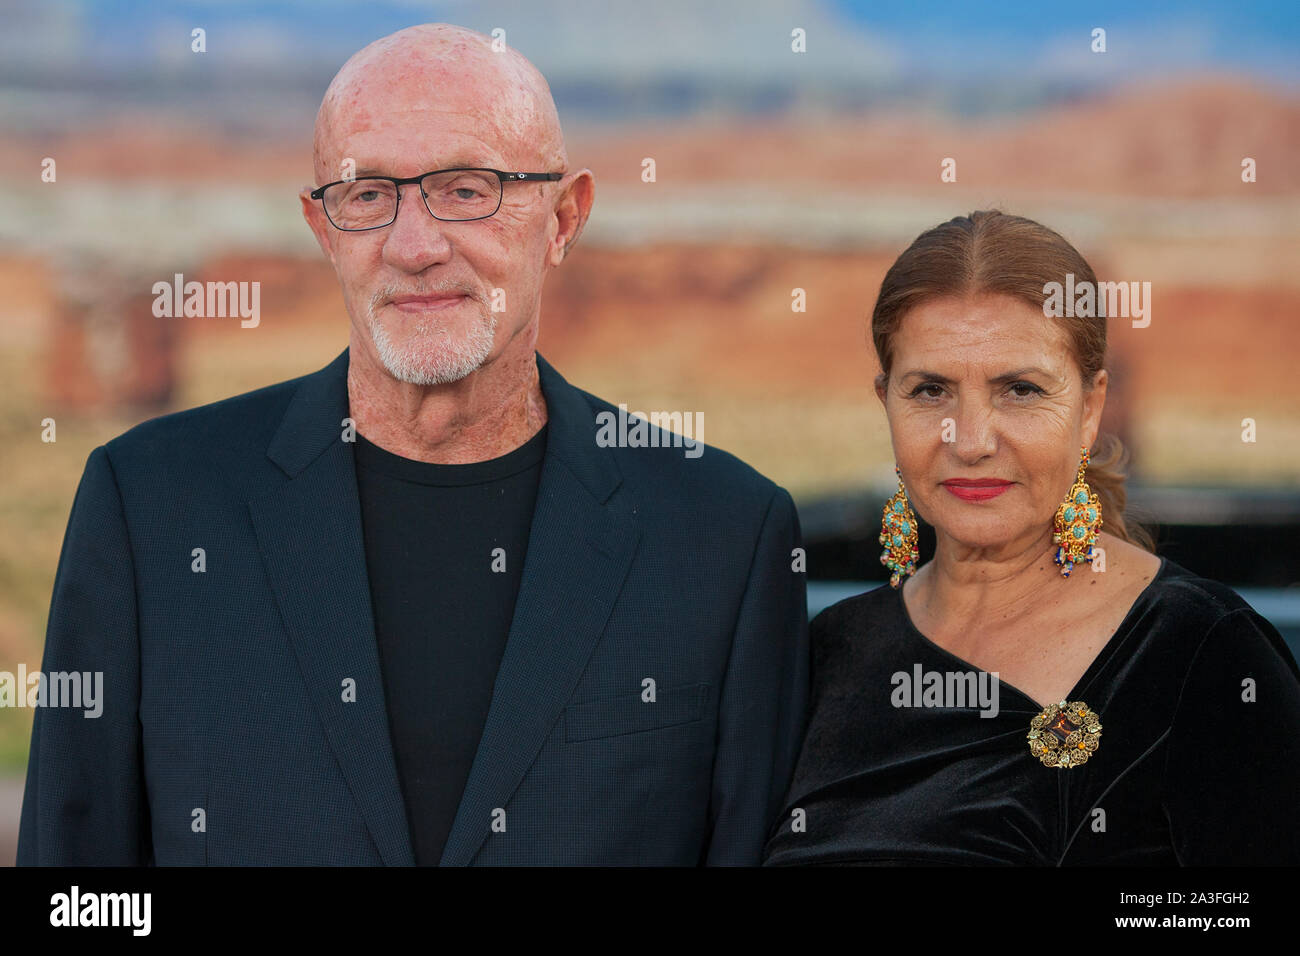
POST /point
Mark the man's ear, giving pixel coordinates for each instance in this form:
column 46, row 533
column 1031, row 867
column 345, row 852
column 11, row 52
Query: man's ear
column 320, row 226
column 571, row 212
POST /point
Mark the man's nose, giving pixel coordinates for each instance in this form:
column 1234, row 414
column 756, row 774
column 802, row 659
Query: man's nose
column 415, row 239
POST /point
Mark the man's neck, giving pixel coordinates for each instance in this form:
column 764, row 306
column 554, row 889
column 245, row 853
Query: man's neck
column 485, row 415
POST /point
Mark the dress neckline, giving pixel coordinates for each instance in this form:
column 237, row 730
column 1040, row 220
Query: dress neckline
column 1090, row 672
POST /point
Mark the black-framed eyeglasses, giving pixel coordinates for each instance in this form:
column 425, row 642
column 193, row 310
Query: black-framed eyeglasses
column 460, row 194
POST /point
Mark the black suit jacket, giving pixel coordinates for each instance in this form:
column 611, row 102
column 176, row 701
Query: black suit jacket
column 227, row 735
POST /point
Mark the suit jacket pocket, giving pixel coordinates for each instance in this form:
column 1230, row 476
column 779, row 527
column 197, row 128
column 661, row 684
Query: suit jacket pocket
column 629, row 714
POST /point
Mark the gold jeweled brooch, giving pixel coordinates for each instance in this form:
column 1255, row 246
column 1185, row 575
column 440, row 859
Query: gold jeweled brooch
column 1065, row 734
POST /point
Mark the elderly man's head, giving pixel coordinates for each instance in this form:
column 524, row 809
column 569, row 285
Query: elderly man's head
column 432, row 300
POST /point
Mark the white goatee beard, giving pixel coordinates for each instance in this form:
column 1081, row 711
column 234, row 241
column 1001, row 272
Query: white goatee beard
column 417, row 364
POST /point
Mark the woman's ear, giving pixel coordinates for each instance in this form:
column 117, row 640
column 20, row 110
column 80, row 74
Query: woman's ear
column 881, row 382
column 1094, row 400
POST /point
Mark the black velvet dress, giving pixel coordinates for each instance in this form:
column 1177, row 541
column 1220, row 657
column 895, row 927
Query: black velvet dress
column 1197, row 761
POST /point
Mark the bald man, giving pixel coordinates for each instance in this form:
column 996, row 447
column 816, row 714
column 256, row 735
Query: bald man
column 431, row 604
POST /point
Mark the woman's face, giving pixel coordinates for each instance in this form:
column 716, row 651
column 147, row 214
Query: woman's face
column 984, row 387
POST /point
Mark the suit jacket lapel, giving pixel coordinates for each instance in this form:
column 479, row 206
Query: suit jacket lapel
column 309, row 530
column 578, row 555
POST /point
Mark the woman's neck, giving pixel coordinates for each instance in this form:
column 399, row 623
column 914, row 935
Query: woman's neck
column 963, row 584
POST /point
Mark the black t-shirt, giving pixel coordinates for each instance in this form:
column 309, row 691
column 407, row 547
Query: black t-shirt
column 445, row 549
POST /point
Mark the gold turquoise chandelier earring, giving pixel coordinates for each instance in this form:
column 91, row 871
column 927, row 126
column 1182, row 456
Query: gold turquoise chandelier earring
column 1078, row 519
column 898, row 535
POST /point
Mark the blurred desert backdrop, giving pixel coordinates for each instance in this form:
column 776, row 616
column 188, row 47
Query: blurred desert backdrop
column 771, row 174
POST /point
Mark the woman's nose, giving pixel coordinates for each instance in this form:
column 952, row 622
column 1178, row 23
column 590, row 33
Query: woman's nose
column 976, row 430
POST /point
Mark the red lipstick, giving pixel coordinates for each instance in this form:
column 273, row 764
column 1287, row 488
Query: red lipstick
column 977, row 489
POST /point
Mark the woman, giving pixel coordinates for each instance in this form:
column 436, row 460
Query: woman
column 994, row 707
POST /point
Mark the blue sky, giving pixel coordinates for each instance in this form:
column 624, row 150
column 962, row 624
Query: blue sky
column 1253, row 36
column 948, row 37
column 614, row 59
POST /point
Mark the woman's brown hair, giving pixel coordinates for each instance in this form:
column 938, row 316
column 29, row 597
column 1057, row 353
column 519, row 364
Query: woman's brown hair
column 992, row 252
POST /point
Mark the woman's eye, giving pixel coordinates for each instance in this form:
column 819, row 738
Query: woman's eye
column 930, row 390
column 1025, row 389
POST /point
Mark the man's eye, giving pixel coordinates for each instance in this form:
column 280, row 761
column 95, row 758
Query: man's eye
column 466, row 191
column 362, row 197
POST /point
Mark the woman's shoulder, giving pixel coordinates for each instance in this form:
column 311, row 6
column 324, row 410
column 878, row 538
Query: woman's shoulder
column 1189, row 610
column 1200, row 600
column 848, row 613
column 857, row 631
